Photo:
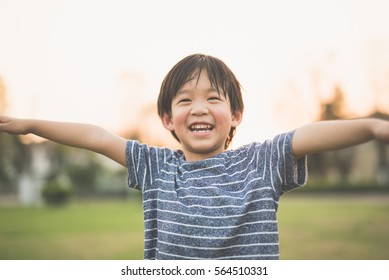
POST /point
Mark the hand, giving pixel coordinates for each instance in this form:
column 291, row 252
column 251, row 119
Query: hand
column 13, row 125
column 381, row 132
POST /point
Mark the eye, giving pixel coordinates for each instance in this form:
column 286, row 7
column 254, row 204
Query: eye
column 184, row 100
column 215, row 98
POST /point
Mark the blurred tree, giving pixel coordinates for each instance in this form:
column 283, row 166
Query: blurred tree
column 377, row 60
column 78, row 166
column 378, row 63
column 3, row 99
column 84, row 173
column 57, row 192
column 15, row 158
column 24, row 169
column 342, row 160
column 382, row 155
column 334, row 109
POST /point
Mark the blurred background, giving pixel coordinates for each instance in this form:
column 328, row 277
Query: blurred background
column 102, row 62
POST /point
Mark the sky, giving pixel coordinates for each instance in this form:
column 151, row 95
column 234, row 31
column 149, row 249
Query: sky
column 102, row 61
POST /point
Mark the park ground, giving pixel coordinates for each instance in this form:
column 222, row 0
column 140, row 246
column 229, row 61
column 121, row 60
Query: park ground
column 331, row 226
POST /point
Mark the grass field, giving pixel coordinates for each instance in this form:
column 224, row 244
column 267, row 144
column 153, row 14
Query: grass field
column 334, row 227
column 311, row 227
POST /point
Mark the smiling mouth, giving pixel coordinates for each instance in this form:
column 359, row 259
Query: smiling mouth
column 201, row 128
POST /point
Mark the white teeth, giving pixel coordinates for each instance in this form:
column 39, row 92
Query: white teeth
column 201, row 127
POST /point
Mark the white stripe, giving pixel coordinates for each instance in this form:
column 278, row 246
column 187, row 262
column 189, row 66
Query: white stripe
column 215, row 176
column 215, row 166
column 210, row 188
column 150, row 249
column 220, row 258
column 133, row 163
column 220, row 248
column 226, row 257
column 248, row 256
column 216, row 237
column 236, row 163
column 240, row 181
column 278, row 159
column 169, row 172
column 202, row 169
column 151, row 171
column 284, row 169
column 205, row 160
column 211, row 217
column 199, row 178
column 204, row 177
column 208, row 207
column 243, row 149
column 220, row 196
column 219, row 227
column 171, row 164
column 271, row 168
column 137, row 167
column 144, row 180
column 157, row 160
column 163, row 191
column 164, row 181
column 264, row 160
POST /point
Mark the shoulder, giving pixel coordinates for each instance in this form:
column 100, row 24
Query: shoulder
column 281, row 144
column 242, row 155
column 138, row 151
column 243, row 150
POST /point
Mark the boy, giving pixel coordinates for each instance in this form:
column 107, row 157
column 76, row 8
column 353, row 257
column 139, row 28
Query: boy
column 204, row 201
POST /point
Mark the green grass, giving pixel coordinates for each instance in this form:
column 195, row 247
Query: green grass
column 334, row 227
column 311, row 227
column 94, row 230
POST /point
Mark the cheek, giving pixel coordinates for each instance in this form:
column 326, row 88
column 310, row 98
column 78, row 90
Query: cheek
column 179, row 116
column 222, row 116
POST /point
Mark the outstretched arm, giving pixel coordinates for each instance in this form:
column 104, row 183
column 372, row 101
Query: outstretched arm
column 78, row 135
column 333, row 135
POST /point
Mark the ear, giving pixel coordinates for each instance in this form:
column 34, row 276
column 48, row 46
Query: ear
column 236, row 119
column 167, row 122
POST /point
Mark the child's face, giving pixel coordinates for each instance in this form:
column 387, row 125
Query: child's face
column 201, row 119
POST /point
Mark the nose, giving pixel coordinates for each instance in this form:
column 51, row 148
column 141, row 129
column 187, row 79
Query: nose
column 199, row 108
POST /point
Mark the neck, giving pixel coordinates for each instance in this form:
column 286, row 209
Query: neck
column 192, row 157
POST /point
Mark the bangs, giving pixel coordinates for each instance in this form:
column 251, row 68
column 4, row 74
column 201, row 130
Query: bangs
column 215, row 75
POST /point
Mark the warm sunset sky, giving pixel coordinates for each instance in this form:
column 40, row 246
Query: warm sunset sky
column 100, row 61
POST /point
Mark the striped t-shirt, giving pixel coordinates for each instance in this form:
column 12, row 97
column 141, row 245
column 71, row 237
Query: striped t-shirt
column 223, row 207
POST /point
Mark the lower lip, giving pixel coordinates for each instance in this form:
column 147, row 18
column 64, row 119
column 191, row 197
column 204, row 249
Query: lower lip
column 201, row 133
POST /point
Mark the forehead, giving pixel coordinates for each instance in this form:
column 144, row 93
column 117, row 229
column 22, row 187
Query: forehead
column 199, row 80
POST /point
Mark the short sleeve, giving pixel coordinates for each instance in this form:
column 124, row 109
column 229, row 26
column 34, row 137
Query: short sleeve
column 281, row 170
column 295, row 174
column 144, row 163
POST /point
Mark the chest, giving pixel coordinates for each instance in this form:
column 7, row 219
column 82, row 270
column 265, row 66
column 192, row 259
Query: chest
column 210, row 189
